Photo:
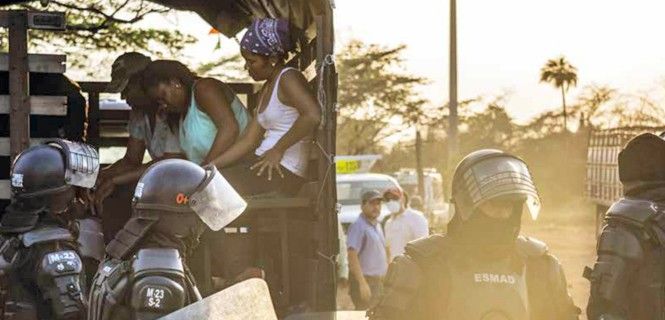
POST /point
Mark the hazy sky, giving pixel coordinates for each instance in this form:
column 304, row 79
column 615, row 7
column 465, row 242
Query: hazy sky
column 503, row 44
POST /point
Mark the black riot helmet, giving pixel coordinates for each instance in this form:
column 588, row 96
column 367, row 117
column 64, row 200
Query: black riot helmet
column 489, row 174
column 176, row 186
column 43, row 179
column 642, row 163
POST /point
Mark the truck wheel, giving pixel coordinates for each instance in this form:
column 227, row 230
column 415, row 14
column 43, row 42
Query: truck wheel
column 600, row 219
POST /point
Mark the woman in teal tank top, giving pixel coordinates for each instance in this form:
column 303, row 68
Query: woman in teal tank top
column 211, row 115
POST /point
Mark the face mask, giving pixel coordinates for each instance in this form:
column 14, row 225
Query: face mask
column 393, row 206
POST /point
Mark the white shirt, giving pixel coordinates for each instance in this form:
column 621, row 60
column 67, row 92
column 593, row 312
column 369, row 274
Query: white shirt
column 405, row 227
column 277, row 119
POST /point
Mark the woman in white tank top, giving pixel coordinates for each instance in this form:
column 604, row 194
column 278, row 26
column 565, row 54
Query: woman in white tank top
column 278, row 138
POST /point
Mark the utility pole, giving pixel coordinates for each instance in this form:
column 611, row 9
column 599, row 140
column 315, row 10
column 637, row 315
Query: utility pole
column 452, row 94
column 453, row 144
column 419, row 163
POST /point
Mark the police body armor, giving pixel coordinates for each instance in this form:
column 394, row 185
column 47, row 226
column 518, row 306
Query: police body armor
column 484, row 290
column 152, row 284
column 43, row 267
column 438, row 280
column 628, row 279
column 47, row 257
column 146, row 276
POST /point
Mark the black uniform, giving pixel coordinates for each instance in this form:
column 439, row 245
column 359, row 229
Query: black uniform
column 481, row 269
column 146, row 274
column 41, row 261
column 627, row 280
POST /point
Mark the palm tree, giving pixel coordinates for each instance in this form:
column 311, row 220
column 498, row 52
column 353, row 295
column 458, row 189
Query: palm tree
column 562, row 75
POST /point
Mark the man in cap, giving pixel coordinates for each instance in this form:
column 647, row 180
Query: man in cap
column 481, row 269
column 149, row 129
column 367, row 252
column 404, row 224
column 627, row 280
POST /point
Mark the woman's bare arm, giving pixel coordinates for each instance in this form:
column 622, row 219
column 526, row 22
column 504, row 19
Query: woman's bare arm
column 210, row 97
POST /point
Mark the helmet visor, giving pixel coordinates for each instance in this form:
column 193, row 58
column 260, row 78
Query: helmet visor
column 216, row 202
column 499, row 177
column 82, row 163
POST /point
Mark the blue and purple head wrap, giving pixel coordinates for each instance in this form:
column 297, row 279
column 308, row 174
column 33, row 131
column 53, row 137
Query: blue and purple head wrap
column 268, row 37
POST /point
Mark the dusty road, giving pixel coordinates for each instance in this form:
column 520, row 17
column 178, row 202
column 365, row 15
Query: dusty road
column 574, row 245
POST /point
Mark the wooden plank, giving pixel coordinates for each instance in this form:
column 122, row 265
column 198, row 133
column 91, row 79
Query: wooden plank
column 112, row 142
column 39, row 105
column 278, row 203
column 5, row 190
column 326, row 202
column 44, row 63
column 19, row 113
column 92, row 133
column 285, row 256
column 114, row 115
column 93, row 86
column 5, row 144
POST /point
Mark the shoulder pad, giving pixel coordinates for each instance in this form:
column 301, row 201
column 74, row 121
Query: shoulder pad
column 60, row 263
column 158, row 260
column 617, row 241
column 154, row 296
column 401, row 285
column 635, row 211
column 128, row 237
column 46, row 234
column 426, row 247
column 403, row 273
column 530, row 247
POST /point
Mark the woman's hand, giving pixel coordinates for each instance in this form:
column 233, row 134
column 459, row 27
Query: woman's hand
column 270, row 161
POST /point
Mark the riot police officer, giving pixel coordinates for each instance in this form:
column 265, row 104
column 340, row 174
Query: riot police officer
column 41, row 259
column 146, row 275
column 627, row 280
column 481, row 269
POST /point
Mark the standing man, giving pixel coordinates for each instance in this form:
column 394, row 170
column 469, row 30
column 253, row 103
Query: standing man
column 481, row 269
column 627, row 281
column 367, row 252
column 404, row 225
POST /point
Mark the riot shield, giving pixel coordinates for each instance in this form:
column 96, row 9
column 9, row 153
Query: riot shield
column 246, row 300
column 332, row 315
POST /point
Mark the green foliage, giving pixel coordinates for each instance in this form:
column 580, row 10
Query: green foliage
column 560, row 73
column 105, row 28
column 374, row 96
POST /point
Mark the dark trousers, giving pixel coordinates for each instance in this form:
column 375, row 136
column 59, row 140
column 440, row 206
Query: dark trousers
column 375, row 286
column 247, row 183
column 232, row 252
